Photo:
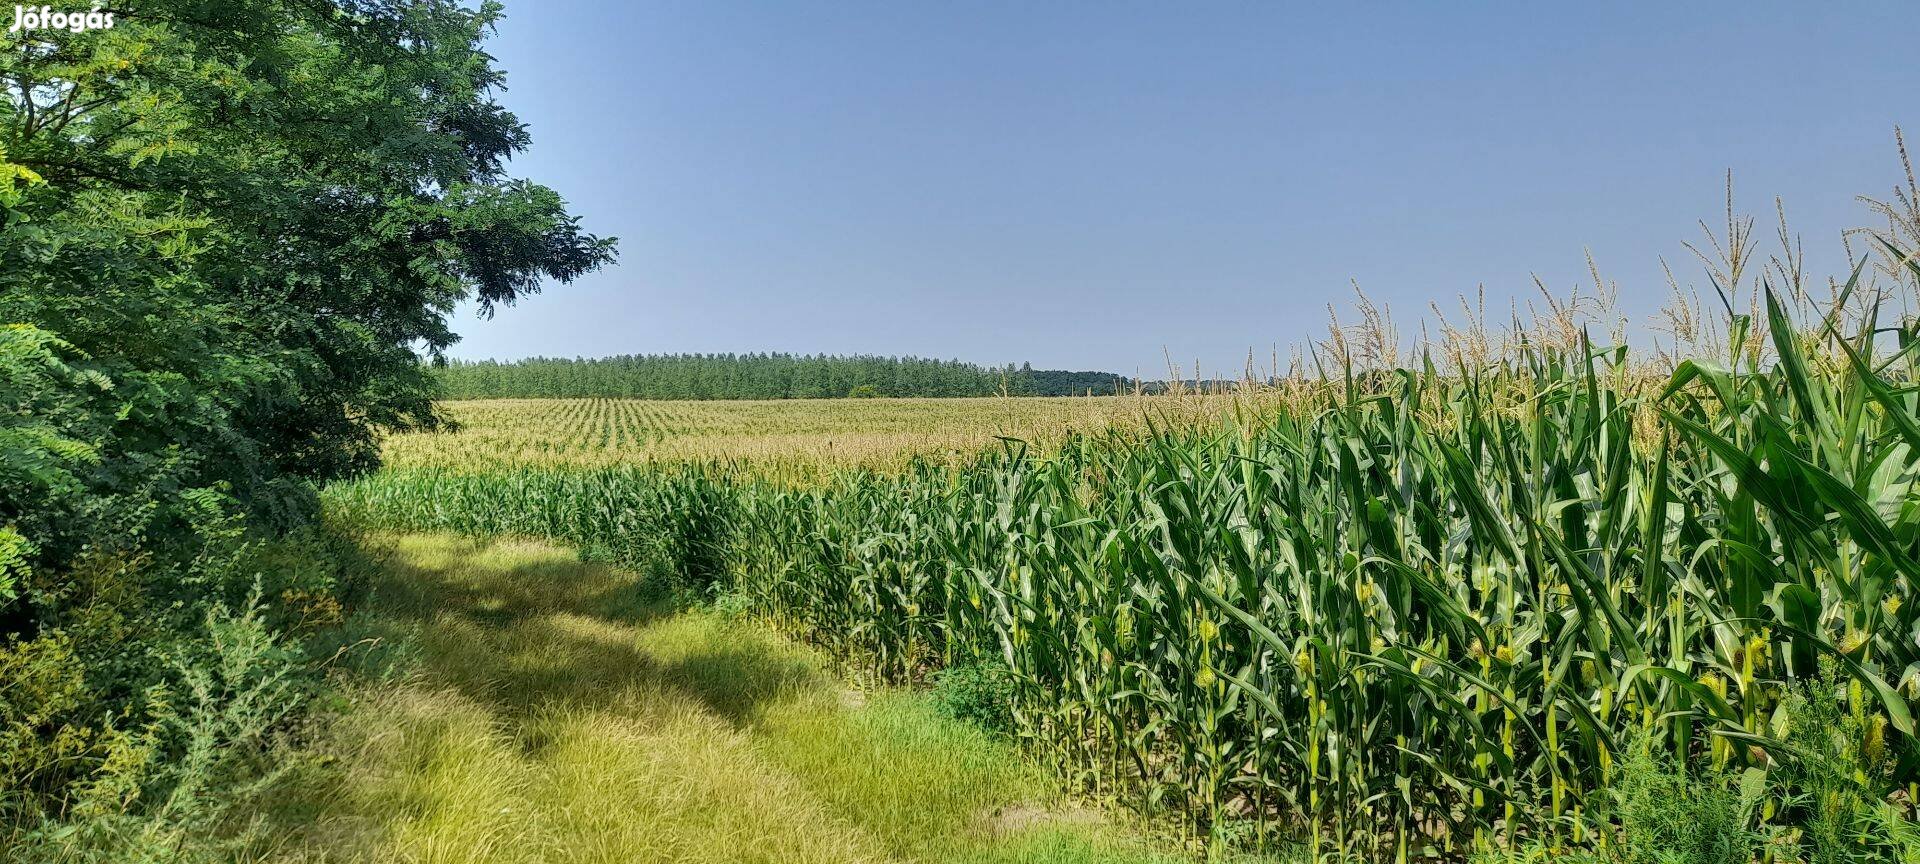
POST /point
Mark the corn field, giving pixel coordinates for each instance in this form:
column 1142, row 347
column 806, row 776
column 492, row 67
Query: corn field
column 1399, row 613
column 801, row 439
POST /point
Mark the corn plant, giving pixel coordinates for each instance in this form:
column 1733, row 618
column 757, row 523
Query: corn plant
column 1400, row 613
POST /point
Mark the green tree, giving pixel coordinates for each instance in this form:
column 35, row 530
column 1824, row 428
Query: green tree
column 760, row 376
column 228, row 228
column 250, row 213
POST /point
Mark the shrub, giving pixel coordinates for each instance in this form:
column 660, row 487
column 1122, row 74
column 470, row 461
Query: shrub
column 1670, row 815
column 1837, row 770
column 177, row 788
column 732, row 604
column 979, row 693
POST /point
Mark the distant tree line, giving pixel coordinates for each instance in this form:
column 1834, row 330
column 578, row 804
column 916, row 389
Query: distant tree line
column 760, row 376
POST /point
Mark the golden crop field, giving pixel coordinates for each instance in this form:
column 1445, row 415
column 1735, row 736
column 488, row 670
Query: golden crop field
column 801, row 434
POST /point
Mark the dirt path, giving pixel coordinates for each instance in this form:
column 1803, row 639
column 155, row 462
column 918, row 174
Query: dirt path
column 550, row 712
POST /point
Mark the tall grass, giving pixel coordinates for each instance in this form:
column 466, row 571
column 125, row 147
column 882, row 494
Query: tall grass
column 1409, row 612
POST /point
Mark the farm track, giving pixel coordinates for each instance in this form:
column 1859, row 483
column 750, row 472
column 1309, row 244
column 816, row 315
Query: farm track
column 555, row 712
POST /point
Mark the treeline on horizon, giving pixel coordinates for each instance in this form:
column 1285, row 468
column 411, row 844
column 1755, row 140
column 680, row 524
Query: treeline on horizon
column 761, row 376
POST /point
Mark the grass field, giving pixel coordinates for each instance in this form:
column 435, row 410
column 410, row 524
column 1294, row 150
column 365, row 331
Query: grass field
column 799, row 434
column 549, row 710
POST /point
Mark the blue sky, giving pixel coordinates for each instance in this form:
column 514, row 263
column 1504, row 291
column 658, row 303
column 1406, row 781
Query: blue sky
column 1095, row 185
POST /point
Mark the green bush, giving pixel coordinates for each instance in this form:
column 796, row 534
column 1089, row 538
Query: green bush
column 732, row 604
column 178, row 787
column 1837, row 769
column 979, row 693
column 1669, row 814
column 204, row 313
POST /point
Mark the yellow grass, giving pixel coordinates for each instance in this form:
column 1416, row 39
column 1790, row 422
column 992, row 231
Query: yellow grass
column 801, row 434
column 556, row 714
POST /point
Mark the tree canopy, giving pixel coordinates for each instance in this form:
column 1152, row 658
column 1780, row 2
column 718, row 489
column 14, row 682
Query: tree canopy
column 238, row 220
column 228, row 230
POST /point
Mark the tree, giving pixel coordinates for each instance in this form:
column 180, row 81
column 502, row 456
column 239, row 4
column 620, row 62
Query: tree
column 717, row 376
column 255, row 210
column 226, row 228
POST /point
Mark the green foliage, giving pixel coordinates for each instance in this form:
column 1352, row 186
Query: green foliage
column 249, row 274
column 15, row 551
column 170, row 790
column 758, row 376
column 147, row 703
column 14, row 181
column 1535, row 853
column 46, row 446
column 226, row 226
column 46, row 689
column 1671, row 815
column 980, row 693
column 1409, row 613
column 1839, row 763
column 1060, row 382
column 732, row 605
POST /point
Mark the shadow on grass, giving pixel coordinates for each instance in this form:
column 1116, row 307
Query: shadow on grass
column 568, row 703
column 524, row 627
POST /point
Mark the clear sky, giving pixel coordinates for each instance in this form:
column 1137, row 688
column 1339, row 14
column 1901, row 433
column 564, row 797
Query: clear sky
column 1089, row 185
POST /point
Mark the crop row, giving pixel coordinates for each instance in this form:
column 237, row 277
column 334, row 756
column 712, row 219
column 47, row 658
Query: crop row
column 1414, row 614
